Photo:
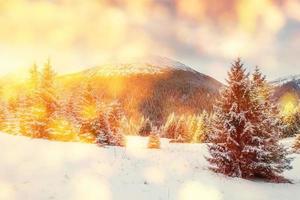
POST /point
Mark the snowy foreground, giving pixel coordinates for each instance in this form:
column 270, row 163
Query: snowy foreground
column 32, row 169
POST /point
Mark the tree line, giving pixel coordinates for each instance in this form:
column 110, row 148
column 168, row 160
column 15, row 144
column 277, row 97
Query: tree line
column 242, row 132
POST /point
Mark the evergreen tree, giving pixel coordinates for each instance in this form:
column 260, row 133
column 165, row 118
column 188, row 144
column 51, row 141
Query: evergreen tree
column 201, row 134
column 271, row 157
column 43, row 100
column 88, row 115
column 170, row 126
column 154, row 140
column 146, row 128
column 47, row 90
column 242, row 146
column 115, row 116
column 182, row 133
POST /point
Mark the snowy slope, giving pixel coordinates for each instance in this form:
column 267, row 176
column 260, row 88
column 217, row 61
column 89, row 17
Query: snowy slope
column 39, row 170
column 143, row 65
column 288, row 79
column 287, row 85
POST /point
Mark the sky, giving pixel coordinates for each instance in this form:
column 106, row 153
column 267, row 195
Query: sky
column 206, row 35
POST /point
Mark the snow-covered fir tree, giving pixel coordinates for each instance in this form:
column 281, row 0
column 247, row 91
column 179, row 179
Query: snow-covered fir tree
column 116, row 137
column 245, row 135
column 44, row 103
column 145, row 128
column 154, row 139
column 182, row 134
column 200, row 135
column 169, row 129
column 129, row 126
column 86, row 111
column 272, row 158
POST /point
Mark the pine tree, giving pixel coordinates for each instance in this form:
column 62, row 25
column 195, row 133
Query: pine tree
column 170, row 126
column 44, row 103
column 201, row 134
column 154, row 140
column 87, row 114
column 242, row 146
column 182, row 133
column 128, row 126
column 145, row 128
column 47, row 91
column 271, row 156
column 115, row 115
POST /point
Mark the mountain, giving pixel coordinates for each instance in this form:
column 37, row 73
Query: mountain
column 287, row 85
column 152, row 87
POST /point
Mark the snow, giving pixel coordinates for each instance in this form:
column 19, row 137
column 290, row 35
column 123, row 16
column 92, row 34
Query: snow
column 287, row 79
column 143, row 65
column 33, row 169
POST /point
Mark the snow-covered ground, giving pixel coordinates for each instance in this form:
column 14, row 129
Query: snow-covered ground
column 32, row 169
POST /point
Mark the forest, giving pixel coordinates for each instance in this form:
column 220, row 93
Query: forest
column 242, row 130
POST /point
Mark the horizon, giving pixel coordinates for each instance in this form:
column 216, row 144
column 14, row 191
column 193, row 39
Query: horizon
column 23, row 72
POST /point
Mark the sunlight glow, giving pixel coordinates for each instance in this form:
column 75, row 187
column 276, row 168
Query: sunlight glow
column 6, row 191
column 63, row 130
column 288, row 104
column 89, row 112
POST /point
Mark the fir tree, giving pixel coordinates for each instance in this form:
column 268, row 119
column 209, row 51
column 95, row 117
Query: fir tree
column 154, row 140
column 115, row 115
column 43, row 103
column 87, row 114
column 146, row 128
column 271, row 157
column 48, row 90
column 170, row 126
column 242, row 146
column 201, row 134
column 182, row 133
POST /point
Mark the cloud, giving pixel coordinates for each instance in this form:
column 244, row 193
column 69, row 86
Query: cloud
column 77, row 34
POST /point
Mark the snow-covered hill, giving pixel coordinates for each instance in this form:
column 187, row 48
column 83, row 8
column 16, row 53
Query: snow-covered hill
column 152, row 87
column 32, row 169
column 143, row 65
column 284, row 80
column 287, row 85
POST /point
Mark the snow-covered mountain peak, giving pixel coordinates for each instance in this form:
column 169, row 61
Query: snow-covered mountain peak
column 293, row 78
column 142, row 65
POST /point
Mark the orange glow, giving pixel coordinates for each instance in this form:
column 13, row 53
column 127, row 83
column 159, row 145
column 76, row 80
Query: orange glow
column 63, row 130
column 39, row 111
column 115, row 87
column 89, row 112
